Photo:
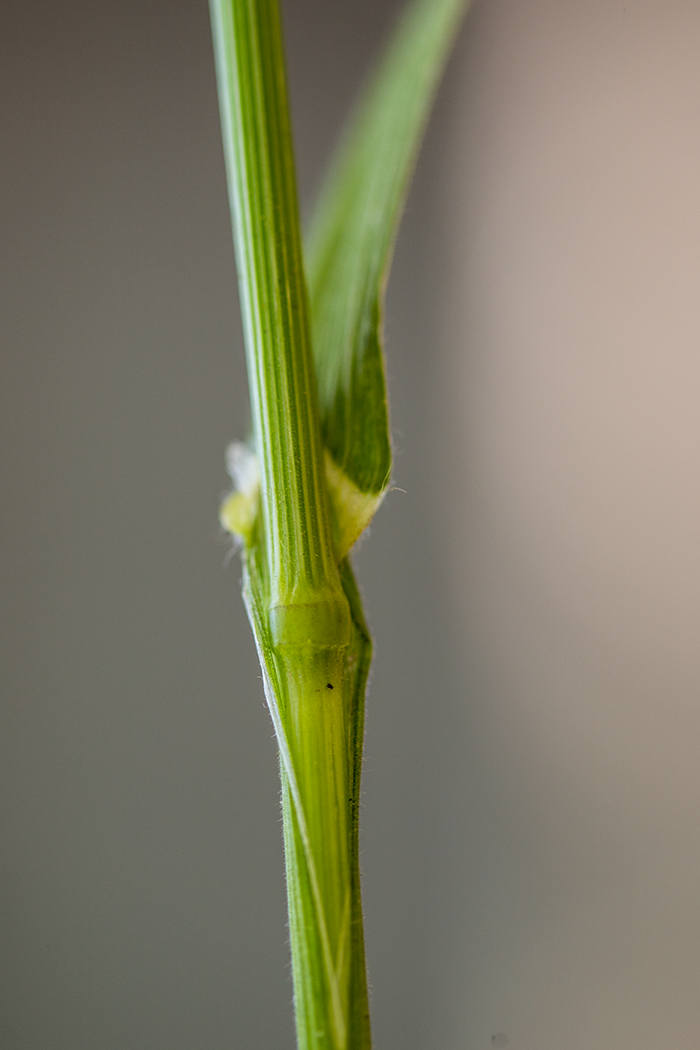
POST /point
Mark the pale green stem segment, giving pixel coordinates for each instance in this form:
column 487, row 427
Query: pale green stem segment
column 311, row 638
column 320, row 731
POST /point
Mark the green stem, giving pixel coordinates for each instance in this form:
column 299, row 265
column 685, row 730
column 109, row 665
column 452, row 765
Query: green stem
column 306, row 634
column 262, row 188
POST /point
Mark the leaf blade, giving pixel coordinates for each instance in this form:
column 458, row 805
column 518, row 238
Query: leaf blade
column 349, row 247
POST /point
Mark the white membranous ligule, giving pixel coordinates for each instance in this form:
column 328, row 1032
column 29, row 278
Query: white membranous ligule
column 238, row 511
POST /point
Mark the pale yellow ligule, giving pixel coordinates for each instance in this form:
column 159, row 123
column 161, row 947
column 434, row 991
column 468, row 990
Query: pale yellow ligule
column 237, row 515
column 352, row 510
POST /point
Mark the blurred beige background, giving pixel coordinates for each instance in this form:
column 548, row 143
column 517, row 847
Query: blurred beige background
column 530, row 839
column 571, row 385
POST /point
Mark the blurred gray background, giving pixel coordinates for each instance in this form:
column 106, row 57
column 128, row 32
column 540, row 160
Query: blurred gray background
column 531, row 792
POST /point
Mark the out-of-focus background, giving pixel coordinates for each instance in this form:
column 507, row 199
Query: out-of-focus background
column 532, row 785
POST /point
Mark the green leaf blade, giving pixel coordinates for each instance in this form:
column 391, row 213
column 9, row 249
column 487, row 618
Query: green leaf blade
column 349, row 247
